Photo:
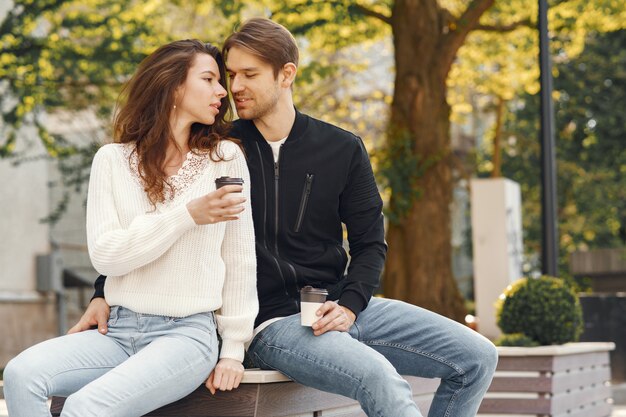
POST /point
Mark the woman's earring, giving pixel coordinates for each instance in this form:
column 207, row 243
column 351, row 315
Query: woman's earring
column 174, row 106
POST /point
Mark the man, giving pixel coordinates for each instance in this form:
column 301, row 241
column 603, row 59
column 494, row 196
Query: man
column 309, row 177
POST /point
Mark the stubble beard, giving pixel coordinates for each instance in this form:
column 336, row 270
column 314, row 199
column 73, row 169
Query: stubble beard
column 263, row 107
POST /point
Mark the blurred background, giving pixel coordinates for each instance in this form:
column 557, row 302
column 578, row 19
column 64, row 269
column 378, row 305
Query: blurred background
column 445, row 94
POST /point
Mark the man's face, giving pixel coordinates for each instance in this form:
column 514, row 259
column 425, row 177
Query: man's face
column 254, row 88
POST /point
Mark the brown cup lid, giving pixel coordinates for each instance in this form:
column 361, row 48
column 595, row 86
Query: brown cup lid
column 311, row 290
column 313, row 295
column 222, row 181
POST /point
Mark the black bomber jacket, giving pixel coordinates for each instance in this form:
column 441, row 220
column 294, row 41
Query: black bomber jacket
column 323, row 178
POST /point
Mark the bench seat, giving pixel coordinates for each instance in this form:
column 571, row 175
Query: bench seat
column 271, row 394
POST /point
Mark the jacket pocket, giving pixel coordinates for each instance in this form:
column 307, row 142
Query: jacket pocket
column 343, row 259
column 304, row 200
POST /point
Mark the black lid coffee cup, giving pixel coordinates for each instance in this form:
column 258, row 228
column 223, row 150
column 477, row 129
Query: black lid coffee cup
column 311, row 299
column 222, row 181
column 309, row 294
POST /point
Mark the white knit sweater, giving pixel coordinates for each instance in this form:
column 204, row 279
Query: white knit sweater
column 159, row 261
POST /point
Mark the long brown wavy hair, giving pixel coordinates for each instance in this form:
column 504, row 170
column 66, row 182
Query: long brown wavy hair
column 145, row 103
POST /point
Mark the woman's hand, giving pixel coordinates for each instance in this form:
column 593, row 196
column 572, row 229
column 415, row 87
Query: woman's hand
column 97, row 314
column 226, row 376
column 217, row 206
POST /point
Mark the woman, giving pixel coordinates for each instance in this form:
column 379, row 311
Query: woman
column 179, row 255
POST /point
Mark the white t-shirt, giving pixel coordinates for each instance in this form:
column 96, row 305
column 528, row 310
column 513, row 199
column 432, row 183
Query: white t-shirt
column 276, row 147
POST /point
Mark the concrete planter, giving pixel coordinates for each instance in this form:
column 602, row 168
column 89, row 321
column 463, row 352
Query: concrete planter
column 570, row 380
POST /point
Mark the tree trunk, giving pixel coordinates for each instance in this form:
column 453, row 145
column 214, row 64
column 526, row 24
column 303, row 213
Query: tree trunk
column 419, row 267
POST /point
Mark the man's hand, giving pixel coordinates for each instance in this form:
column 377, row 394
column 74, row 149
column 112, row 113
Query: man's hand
column 217, row 206
column 333, row 317
column 97, row 314
column 226, row 376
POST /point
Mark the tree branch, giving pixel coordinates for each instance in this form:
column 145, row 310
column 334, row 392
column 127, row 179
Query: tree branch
column 358, row 8
column 512, row 26
column 469, row 19
column 557, row 2
column 352, row 8
column 505, row 28
column 467, row 22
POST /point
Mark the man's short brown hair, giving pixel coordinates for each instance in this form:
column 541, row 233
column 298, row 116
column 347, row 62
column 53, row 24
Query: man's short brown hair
column 266, row 39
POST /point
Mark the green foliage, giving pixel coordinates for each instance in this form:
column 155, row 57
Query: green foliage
column 64, row 55
column 590, row 93
column 75, row 55
column 516, row 339
column 577, row 284
column 545, row 310
column 400, row 169
column 501, row 61
column 59, row 57
column 331, row 25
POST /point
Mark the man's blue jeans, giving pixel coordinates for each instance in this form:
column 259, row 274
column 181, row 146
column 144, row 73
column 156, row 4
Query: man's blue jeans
column 390, row 338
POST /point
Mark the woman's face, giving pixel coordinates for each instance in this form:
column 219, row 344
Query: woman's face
column 199, row 98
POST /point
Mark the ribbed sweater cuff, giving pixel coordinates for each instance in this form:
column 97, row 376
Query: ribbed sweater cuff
column 232, row 350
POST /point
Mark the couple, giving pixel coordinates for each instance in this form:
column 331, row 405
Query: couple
column 181, row 262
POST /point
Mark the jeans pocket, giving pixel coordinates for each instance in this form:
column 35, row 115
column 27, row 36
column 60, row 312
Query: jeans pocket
column 113, row 315
column 204, row 321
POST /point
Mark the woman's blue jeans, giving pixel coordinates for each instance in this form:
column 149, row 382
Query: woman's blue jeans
column 390, row 338
column 141, row 364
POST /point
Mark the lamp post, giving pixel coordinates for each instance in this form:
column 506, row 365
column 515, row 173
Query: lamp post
column 549, row 247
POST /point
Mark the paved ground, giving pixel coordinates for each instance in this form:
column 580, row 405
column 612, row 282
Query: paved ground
column 618, row 410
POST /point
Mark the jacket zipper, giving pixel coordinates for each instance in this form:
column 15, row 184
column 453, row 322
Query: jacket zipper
column 276, row 218
column 264, row 195
column 280, row 272
column 303, row 201
column 276, row 179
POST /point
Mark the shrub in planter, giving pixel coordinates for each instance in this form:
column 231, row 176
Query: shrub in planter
column 516, row 339
column 545, row 310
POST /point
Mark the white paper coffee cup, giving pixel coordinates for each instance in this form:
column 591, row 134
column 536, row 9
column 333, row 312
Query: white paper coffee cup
column 311, row 299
